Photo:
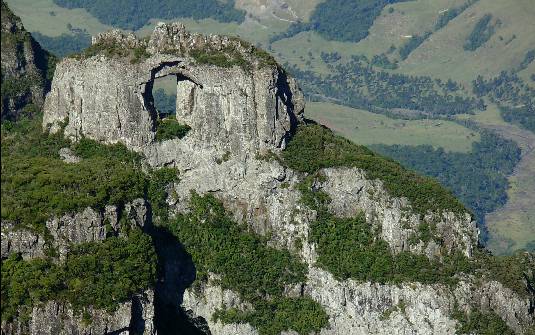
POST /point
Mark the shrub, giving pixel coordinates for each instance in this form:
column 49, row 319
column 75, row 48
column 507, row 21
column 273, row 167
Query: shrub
column 170, row 128
column 484, row 323
column 98, row 274
column 244, row 264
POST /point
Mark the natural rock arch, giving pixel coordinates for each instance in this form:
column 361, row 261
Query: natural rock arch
column 243, row 109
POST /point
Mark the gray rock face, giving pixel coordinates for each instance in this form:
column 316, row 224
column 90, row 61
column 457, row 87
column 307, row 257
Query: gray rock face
column 88, row 225
column 238, row 109
column 27, row 243
column 352, row 193
column 56, row 318
column 68, row 156
column 23, row 68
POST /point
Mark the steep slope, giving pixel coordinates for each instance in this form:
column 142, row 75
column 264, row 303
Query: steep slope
column 25, row 68
column 261, row 222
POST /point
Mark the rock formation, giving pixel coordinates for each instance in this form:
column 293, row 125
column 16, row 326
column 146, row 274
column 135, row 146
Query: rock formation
column 24, row 68
column 241, row 110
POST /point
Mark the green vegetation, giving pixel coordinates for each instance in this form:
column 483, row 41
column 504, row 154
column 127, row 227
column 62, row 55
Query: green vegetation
column 516, row 271
column 357, row 84
column 139, row 12
column 479, row 322
column 341, row 20
column 314, row 147
column 384, row 62
column 65, row 44
column 169, row 128
column 244, row 264
column 366, row 128
column 482, row 32
column 512, row 95
column 157, row 194
column 226, row 58
column 98, row 274
column 350, row 248
column 36, row 184
column 445, row 17
column 303, row 315
column 413, row 43
column 111, row 49
column 477, row 178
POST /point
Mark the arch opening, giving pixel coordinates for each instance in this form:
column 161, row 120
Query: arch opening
column 168, row 97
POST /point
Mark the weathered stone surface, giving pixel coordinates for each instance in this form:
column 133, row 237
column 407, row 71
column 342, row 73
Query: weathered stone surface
column 198, row 305
column 56, row 318
column 88, row 225
column 351, row 193
column 68, row 156
column 237, row 109
column 15, row 240
column 23, row 68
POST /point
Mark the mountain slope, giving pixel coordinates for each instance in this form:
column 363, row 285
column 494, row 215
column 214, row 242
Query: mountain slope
column 235, row 215
column 25, row 69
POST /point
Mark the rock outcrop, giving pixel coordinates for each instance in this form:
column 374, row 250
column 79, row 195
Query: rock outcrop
column 54, row 317
column 242, row 108
column 57, row 318
column 24, row 67
column 88, row 225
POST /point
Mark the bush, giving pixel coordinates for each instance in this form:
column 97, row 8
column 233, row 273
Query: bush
column 99, row 274
column 244, row 264
column 314, row 147
column 226, row 58
column 482, row 32
column 37, row 185
column 170, row 128
column 484, row 323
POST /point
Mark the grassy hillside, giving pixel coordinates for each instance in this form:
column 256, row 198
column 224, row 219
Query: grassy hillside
column 50, row 19
column 443, row 55
column 367, row 128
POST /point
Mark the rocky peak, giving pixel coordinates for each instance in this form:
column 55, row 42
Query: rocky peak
column 230, row 96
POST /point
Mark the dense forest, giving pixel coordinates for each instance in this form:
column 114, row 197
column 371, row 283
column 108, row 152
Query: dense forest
column 477, row 178
column 65, row 44
column 359, row 85
column 340, row 20
column 132, row 15
column 515, row 98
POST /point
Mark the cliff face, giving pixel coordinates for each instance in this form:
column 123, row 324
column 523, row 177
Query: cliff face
column 242, row 110
column 24, row 67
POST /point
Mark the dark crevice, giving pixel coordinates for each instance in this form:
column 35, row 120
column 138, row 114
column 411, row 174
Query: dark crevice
column 176, row 272
column 284, row 93
column 137, row 323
